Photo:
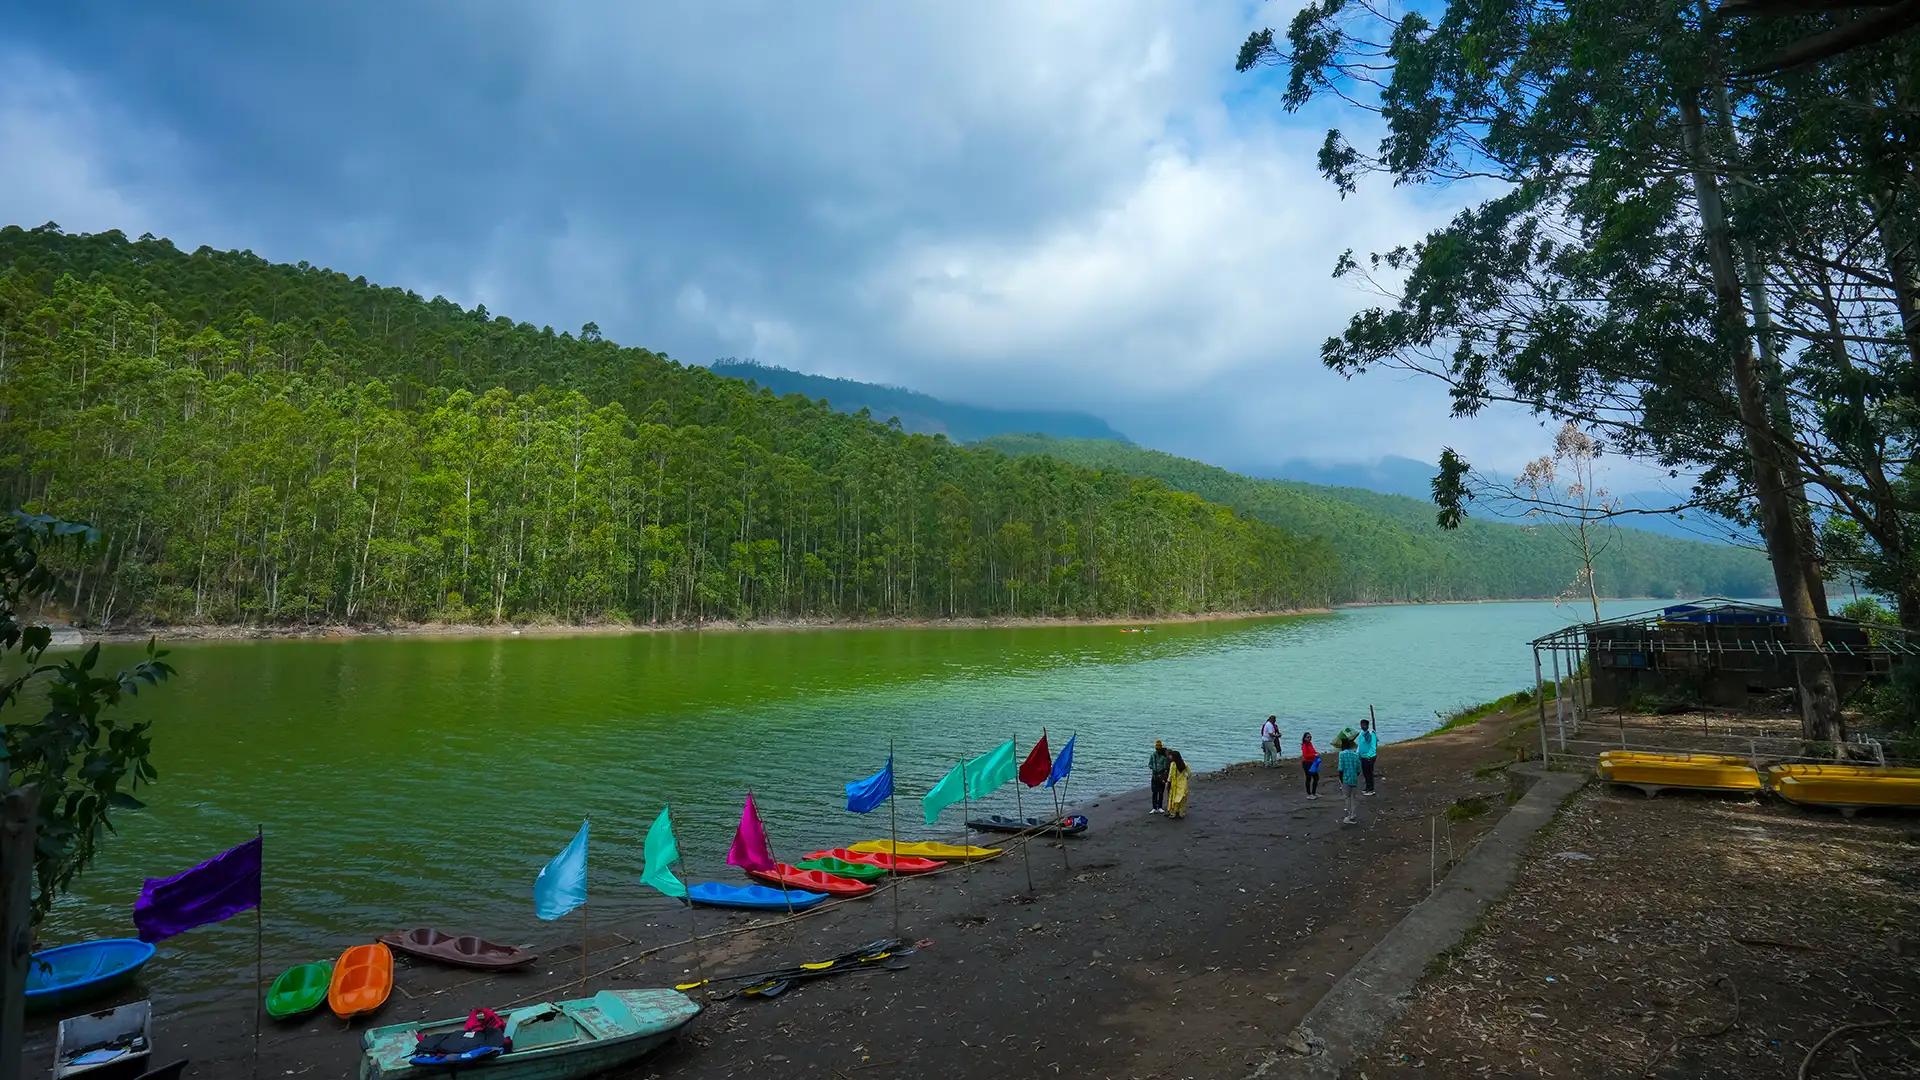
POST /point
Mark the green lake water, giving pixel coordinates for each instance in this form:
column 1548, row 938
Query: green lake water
column 418, row 781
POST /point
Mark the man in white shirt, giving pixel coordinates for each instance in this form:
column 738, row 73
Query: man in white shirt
column 1270, row 741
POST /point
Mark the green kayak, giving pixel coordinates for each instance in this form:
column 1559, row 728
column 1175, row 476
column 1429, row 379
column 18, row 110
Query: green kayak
column 299, row 989
column 843, row 868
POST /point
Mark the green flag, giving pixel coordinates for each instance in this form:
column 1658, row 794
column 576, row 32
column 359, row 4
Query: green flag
column 660, row 854
column 944, row 794
column 987, row 772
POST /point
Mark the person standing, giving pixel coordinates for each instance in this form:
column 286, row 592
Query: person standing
column 1350, row 778
column 1310, row 765
column 1369, row 747
column 1179, row 785
column 1158, row 765
column 1270, row 740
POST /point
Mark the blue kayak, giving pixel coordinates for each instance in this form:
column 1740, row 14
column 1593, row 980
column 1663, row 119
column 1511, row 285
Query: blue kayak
column 757, row 897
column 73, row 972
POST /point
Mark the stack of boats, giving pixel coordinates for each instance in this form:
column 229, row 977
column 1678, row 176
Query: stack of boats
column 1847, row 788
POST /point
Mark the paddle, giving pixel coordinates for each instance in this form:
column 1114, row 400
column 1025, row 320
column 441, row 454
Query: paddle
column 873, row 950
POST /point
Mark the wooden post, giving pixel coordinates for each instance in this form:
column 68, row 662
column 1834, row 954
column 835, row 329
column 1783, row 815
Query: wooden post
column 16, row 919
column 966, row 811
column 1020, row 807
column 893, row 831
column 1559, row 702
column 259, row 952
column 583, row 946
column 1540, row 699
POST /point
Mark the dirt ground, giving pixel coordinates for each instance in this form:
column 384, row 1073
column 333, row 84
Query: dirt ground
column 1685, row 936
column 1167, row 948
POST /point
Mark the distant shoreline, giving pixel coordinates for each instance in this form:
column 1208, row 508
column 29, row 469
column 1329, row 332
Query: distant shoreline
column 327, row 631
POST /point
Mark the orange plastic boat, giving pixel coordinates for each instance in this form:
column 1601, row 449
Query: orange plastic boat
column 812, row 880
column 362, row 979
column 898, row 864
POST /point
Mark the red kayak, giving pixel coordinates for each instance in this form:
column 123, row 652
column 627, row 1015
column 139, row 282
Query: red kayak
column 899, row 864
column 812, row 880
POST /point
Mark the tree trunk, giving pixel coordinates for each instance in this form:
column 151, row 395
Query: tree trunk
column 1821, row 699
column 16, row 918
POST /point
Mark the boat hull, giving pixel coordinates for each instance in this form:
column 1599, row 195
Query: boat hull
column 67, row 974
column 458, row 950
column 1847, row 787
column 1654, row 773
column 611, row 1029
column 893, row 864
column 751, row 897
column 926, row 850
column 128, row 1027
column 812, row 881
column 299, row 990
column 362, row 980
column 1071, row 825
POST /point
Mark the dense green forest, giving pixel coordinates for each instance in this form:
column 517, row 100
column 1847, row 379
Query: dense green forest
column 266, row 442
column 919, row 412
column 1391, row 550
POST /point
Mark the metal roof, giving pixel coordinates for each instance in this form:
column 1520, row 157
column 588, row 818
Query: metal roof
column 1714, row 611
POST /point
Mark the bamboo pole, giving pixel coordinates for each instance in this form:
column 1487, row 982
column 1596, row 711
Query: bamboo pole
column 259, row 954
column 893, row 832
column 693, row 928
column 966, row 811
column 1020, row 807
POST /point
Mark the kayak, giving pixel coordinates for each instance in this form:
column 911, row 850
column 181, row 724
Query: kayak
column 1072, row 825
column 1846, row 787
column 69, row 973
column 1653, row 773
column 362, row 979
column 551, row 1040
column 460, row 951
column 299, row 989
column 926, row 850
column 751, row 897
column 842, row 868
column 812, row 880
column 898, row 864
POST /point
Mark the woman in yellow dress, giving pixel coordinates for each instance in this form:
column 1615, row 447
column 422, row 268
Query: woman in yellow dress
column 1179, row 782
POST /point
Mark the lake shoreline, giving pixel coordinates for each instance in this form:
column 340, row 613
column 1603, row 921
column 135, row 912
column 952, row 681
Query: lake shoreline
column 328, row 631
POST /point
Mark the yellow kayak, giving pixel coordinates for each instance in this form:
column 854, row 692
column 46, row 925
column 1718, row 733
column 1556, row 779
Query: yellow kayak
column 1846, row 787
column 1652, row 773
column 924, row 850
column 1648, row 755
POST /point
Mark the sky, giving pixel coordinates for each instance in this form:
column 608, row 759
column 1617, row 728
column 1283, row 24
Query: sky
column 1060, row 205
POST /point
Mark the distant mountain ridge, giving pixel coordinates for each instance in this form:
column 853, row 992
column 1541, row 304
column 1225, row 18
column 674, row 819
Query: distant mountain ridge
column 921, row 414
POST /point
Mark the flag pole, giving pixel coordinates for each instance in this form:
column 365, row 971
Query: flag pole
column 966, row 811
column 693, row 928
column 259, row 955
column 583, row 944
column 1020, row 807
column 893, row 824
column 1059, row 818
column 784, row 894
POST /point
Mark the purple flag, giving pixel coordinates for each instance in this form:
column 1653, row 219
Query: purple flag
column 221, row 887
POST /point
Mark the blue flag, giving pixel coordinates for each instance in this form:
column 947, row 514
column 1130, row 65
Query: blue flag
column 1062, row 763
column 562, row 884
column 868, row 794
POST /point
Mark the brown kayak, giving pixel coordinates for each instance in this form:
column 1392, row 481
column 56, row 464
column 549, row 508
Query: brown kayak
column 468, row 951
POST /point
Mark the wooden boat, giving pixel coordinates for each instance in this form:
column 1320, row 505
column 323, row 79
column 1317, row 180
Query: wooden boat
column 458, row 950
column 1071, row 825
column 108, row 1044
column 550, row 1041
column 751, row 897
column 858, row 871
column 897, row 864
column 299, row 990
column 1846, row 788
column 70, row 973
column 362, row 979
column 926, row 850
column 1654, row 773
column 812, row 880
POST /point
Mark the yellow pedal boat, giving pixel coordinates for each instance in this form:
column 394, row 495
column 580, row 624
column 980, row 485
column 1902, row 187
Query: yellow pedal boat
column 924, row 850
column 1846, row 787
column 1653, row 773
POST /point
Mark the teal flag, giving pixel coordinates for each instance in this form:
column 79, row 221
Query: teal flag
column 660, row 854
column 562, row 884
column 944, row 794
column 987, row 772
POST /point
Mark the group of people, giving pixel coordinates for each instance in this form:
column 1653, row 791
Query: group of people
column 1358, row 753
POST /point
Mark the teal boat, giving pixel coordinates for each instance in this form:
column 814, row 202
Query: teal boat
column 550, row 1041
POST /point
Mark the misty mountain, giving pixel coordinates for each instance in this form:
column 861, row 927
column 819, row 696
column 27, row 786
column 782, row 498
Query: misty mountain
column 919, row 413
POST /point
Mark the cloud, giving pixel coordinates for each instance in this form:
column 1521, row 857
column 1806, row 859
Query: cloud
column 1074, row 205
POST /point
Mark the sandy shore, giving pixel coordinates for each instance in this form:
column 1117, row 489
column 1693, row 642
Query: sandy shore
column 231, row 632
column 1147, row 948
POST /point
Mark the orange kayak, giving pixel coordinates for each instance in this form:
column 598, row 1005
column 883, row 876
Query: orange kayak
column 812, row 880
column 362, row 979
column 899, row 864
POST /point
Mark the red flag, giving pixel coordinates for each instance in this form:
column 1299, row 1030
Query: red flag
column 1039, row 764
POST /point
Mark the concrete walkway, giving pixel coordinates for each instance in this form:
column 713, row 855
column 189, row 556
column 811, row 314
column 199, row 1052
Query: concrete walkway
column 1374, row 994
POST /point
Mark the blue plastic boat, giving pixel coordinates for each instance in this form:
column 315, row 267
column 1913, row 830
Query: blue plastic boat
column 71, row 973
column 756, row 897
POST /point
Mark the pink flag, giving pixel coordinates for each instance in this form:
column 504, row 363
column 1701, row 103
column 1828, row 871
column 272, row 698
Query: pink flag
column 749, row 850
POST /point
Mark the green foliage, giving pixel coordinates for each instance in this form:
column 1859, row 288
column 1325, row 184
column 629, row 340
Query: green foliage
column 81, row 760
column 1467, row 808
column 337, row 451
column 1473, row 714
column 1390, row 549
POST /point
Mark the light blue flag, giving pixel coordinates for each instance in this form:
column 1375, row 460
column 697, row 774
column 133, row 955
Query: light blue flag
column 562, row 884
column 1062, row 763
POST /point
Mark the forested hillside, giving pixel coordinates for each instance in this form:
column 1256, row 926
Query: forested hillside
column 1391, row 549
column 274, row 443
column 919, row 412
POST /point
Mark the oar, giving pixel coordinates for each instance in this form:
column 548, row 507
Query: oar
column 882, row 947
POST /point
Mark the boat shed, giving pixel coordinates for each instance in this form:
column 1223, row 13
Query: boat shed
column 1716, row 651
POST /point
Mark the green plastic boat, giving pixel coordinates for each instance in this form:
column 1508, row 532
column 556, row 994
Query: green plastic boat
column 299, row 989
column 843, row 868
